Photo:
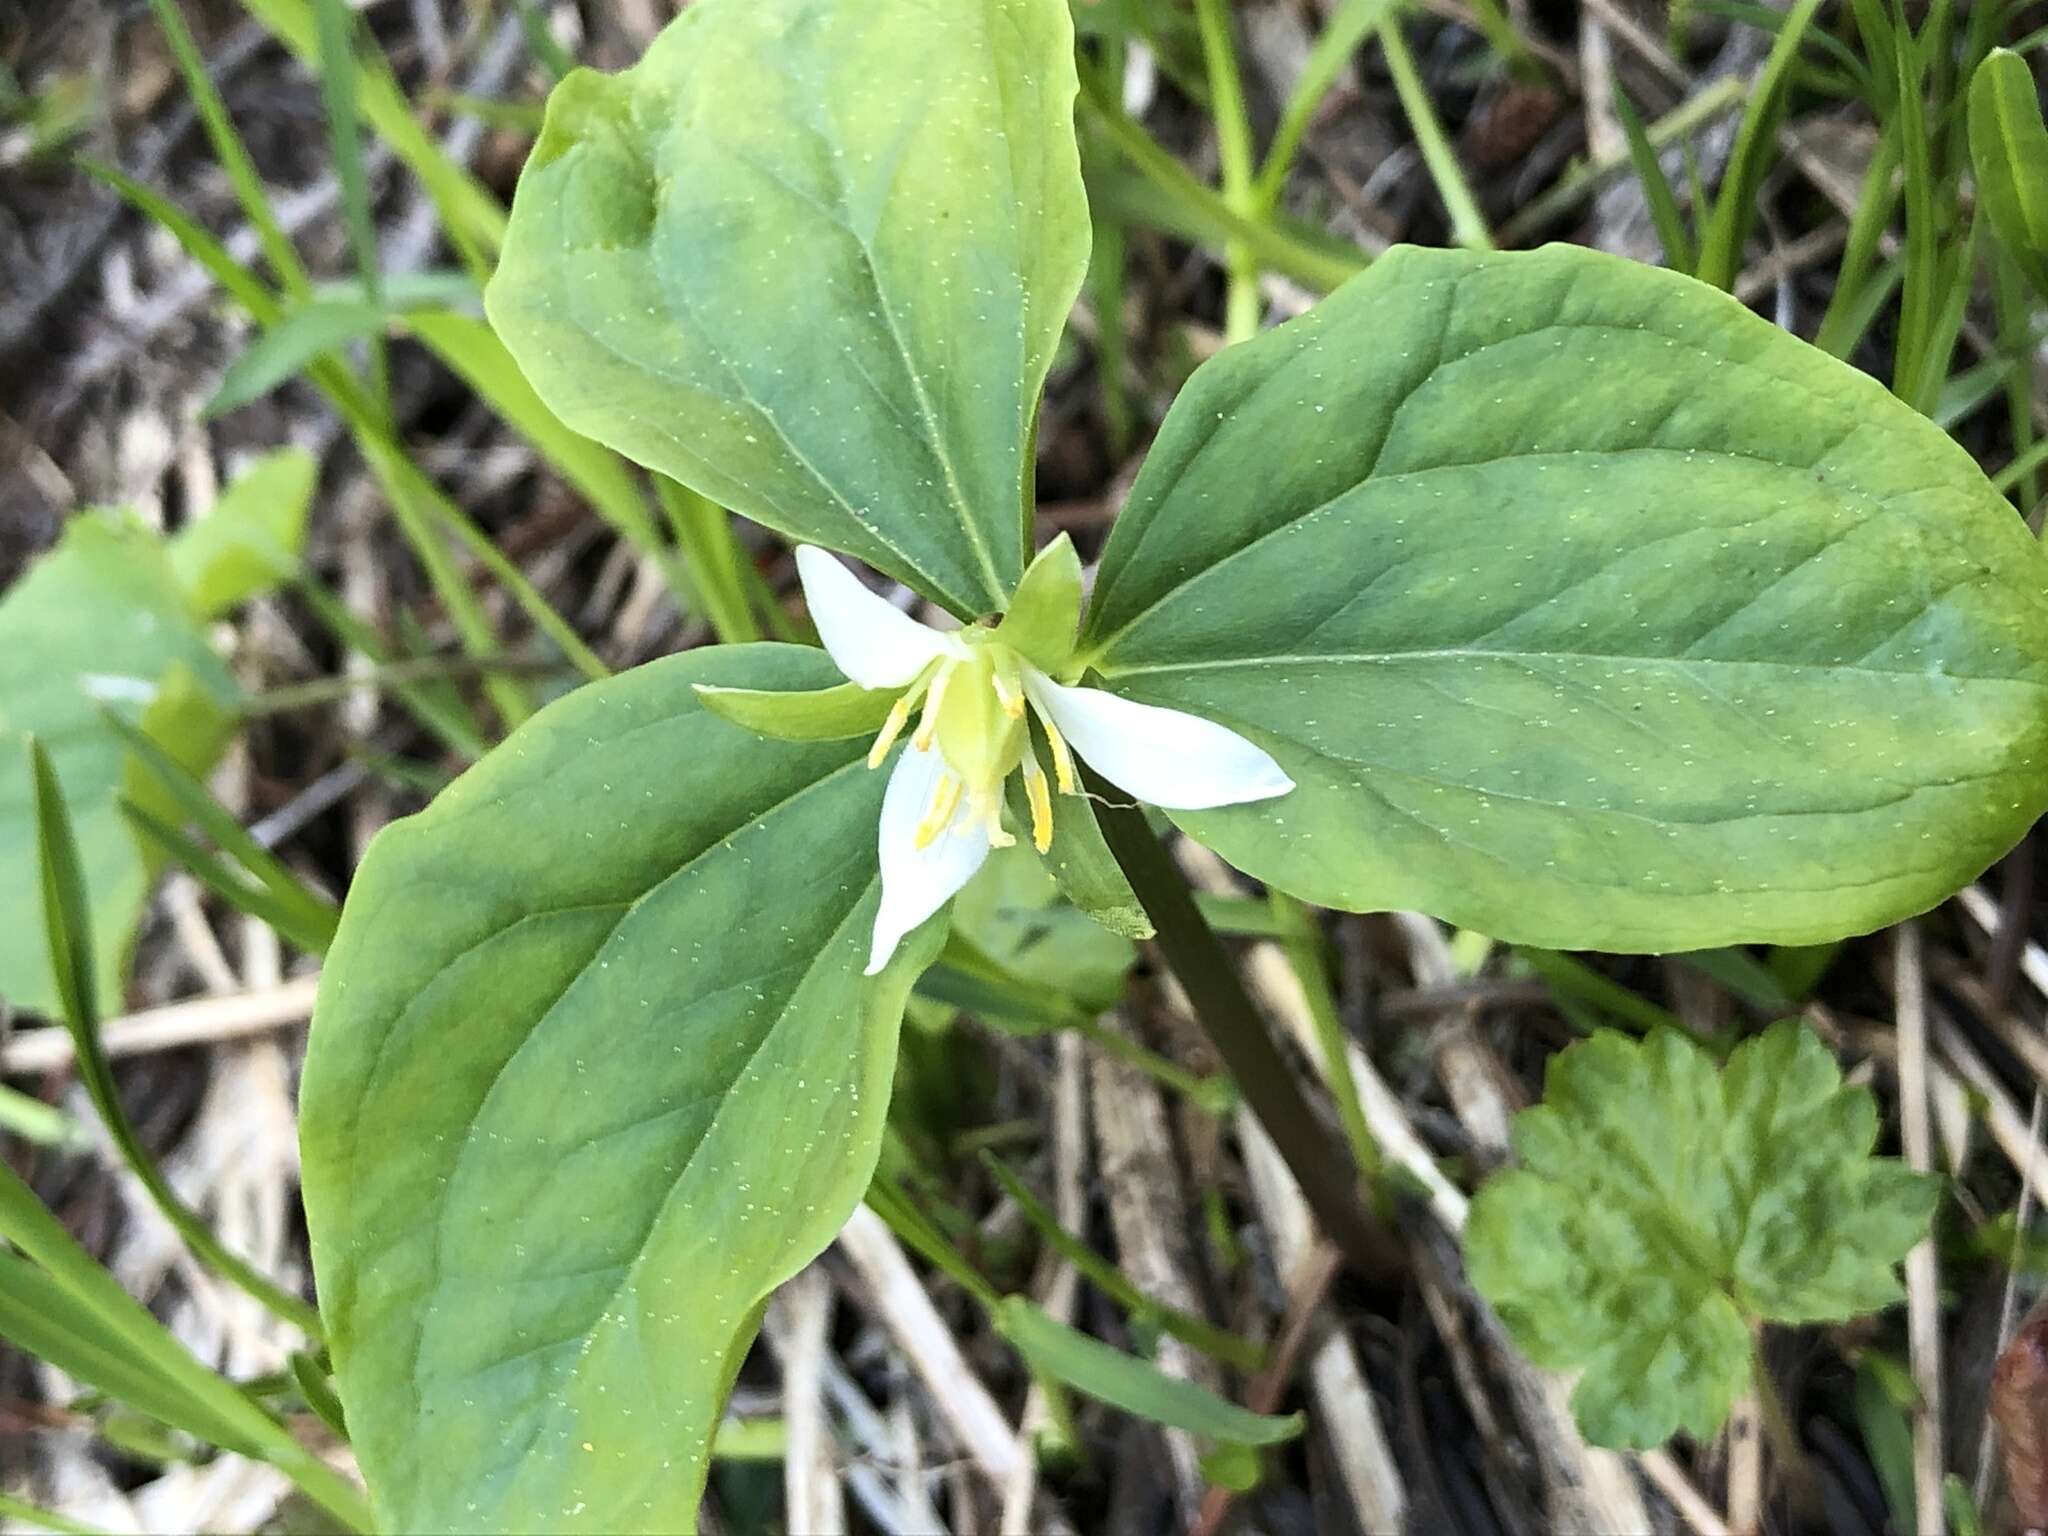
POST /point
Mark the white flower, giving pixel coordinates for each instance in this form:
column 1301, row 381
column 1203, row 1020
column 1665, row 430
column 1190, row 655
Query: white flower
column 942, row 811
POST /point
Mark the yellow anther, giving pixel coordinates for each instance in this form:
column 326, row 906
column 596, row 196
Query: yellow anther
column 987, row 813
column 1062, row 759
column 1040, row 796
column 1008, row 694
column 945, row 801
column 899, row 715
column 928, row 722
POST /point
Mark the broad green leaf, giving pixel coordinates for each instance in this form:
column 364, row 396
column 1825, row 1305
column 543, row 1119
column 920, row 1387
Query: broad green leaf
column 305, row 334
column 594, row 1069
column 814, row 714
column 250, row 541
column 100, row 621
column 1137, row 1386
column 811, row 259
column 1661, row 1208
column 1587, row 610
column 2009, row 150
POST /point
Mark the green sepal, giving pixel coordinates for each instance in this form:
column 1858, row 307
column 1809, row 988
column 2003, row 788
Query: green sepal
column 1088, row 873
column 1044, row 619
column 819, row 714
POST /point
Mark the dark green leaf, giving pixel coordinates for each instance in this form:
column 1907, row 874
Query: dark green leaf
column 1586, row 609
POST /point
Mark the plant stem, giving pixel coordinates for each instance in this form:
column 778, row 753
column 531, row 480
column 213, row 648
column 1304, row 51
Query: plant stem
column 1234, row 151
column 1306, row 1142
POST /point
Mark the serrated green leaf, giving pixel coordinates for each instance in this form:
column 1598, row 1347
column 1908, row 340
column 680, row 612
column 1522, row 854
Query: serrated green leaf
column 250, row 541
column 2009, row 151
column 594, row 1068
column 878, row 398
column 1587, row 610
column 101, row 620
column 1662, row 1208
column 813, row 714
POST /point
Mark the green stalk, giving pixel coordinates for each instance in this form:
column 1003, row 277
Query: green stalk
column 712, row 558
column 1275, row 247
column 1311, row 1150
column 1354, row 22
column 1468, row 224
column 1234, row 152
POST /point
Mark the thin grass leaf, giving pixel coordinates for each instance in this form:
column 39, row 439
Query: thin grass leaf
column 1468, row 224
column 339, row 96
column 1665, row 213
column 1193, row 1331
column 1137, row 1386
column 1341, row 37
column 541, row 42
column 124, row 1327
column 472, row 219
column 310, row 331
column 67, row 925
column 2009, row 149
column 1734, row 211
column 232, row 152
column 27, row 1515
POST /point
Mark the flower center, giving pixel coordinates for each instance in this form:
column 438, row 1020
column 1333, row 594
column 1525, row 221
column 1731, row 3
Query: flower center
column 974, row 715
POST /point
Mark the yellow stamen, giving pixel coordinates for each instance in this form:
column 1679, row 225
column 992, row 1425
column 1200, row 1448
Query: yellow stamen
column 928, row 723
column 1062, row 759
column 1008, row 694
column 945, row 801
column 988, row 812
column 1040, row 796
column 899, row 716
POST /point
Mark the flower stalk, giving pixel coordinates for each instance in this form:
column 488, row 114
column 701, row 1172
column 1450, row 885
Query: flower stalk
column 1301, row 1131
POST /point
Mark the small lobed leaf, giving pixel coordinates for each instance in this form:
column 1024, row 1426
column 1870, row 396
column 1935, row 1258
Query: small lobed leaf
column 594, row 1068
column 1662, row 1208
column 1586, row 609
column 778, row 263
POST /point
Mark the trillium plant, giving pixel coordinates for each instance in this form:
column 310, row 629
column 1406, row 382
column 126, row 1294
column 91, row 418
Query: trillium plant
column 943, row 809
column 1555, row 596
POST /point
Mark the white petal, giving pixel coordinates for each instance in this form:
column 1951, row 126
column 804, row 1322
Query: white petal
column 1176, row 761
column 868, row 637
column 916, row 881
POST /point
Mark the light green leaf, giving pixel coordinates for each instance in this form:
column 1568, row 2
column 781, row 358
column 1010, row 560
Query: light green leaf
column 811, row 259
column 250, row 541
column 594, row 1068
column 1137, row 1386
column 304, row 335
column 1012, row 912
column 1662, row 1208
column 2009, row 150
column 1586, row 609
column 101, row 620
column 816, row 714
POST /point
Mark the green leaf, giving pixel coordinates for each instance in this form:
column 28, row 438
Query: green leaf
column 1137, row 1386
column 306, row 333
column 101, row 620
column 1586, row 609
column 1661, row 1209
column 1012, row 912
column 819, row 285
column 816, row 714
column 594, row 1069
column 250, row 542
column 2009, row 150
